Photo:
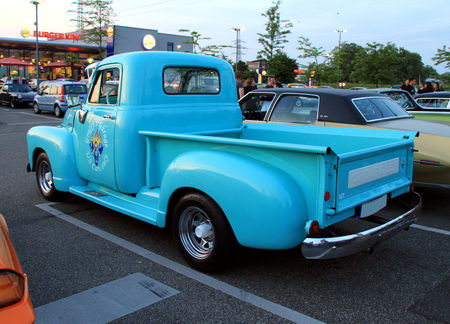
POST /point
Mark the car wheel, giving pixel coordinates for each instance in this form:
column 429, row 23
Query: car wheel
column 12, row 104
column 58, row 111
column 36, row 108
column 44, row 177
column 202, row 232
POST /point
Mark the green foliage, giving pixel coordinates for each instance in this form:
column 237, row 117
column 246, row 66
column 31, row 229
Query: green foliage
column 276, row 30
column 211, row 50
column 282, row 67
column 97, row 15
column 442, row 56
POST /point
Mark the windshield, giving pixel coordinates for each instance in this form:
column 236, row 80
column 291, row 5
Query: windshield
column 19, row 88
column 75, row 88
column 378, row 108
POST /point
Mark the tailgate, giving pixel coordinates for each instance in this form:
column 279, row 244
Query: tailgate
column 369, row 174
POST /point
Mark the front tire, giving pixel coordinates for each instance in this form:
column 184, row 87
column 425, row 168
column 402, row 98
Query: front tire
column 202, row 232
column 36, row 108
column 44, row 178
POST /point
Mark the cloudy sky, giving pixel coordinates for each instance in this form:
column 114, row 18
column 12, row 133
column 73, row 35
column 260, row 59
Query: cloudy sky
column 418, row 26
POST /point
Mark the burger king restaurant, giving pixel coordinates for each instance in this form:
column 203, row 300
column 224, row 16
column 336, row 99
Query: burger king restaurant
column 64, row 55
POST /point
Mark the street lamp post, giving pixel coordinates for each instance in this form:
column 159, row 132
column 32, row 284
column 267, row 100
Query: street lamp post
column 238, row 47
column 36, row 3
column 339, row 51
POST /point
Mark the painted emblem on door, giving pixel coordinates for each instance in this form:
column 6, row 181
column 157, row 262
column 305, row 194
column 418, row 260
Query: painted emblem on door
column 96, row 146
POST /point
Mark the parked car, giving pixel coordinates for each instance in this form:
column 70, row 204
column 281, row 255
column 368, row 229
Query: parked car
column 53, row 96
column 15, row 95
column 358, row 88
column 356, row 108
column 434, row 101
column 296, row 85
column 15, row 301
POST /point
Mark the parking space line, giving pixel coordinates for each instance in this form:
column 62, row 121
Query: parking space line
column 218, row 285
column 430, row 229
column 105, row 303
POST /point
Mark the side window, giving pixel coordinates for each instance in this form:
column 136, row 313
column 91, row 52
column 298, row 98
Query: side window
column 441, row 103
column 46, row 90
column 296, row 109
column 191, row 80
column 106, row 87
column 255, row 106
column 53, row 89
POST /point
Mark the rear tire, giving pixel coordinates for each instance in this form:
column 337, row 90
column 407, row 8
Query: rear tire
column 12, row 104
column 58, row 111
column 44, row 178
column 202, row 232
column 36, row 108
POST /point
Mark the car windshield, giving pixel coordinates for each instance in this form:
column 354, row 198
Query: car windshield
column 378, row 108
column 75, row 88
column 19, row 88
column 401, row 98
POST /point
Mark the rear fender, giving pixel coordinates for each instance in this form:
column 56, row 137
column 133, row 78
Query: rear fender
column 57, row 143
column 264, row 206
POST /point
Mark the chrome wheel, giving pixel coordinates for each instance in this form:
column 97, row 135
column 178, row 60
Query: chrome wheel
column 36, row 108
column 45, row 177
column 196, row 233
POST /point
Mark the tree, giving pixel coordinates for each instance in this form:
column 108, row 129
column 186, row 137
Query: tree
column 309, row 51
column 282, row 67
column 377, row 63
column 211, row 50
column 97, row 15
column 276, row 31
column 442, row 56
column 410, row 65
column 346, row 55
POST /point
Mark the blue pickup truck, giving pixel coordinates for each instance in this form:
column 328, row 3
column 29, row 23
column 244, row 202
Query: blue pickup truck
column 161, row 138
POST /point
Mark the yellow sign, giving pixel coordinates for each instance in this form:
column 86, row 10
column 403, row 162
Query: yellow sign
column 110, row 31
column 25, row 32
column 148, row 42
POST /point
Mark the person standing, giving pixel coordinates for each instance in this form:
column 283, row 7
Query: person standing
column 411, row 86
column 272, row 82
column 249, row 85
column 239, row 84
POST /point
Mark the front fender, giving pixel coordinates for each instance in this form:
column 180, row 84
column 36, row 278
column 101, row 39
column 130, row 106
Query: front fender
column 57, row 142
column 263, row 204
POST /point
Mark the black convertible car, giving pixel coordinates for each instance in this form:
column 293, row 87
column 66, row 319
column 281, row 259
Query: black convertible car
column 15, row 95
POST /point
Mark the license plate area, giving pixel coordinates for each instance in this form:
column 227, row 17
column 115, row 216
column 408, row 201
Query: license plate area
column 371, row 207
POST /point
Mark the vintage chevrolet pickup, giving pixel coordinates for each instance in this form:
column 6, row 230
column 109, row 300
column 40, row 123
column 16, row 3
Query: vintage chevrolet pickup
column 161, row 138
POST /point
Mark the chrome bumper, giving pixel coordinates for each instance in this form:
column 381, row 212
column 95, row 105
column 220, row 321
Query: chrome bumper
column 336, row 247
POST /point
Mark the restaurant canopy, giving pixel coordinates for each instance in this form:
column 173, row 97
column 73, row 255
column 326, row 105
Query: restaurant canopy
column 62, row 63
column 11, row 61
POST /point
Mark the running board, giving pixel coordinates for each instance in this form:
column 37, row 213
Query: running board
column 122, row 203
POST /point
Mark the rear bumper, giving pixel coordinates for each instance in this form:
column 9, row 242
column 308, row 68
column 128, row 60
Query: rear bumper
column 336, row 247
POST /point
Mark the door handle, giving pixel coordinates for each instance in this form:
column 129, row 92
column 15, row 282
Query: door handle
column 109, row 117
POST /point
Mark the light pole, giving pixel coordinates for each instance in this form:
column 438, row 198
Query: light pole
column 238, row 46
column 339, row 51
column 36, row 3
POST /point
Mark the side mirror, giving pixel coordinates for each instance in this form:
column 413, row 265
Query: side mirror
column 73, row 100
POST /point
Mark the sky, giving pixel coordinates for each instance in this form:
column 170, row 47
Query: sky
column 418, row 26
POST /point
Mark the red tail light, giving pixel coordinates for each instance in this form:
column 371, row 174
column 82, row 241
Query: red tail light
column 62, row 94
column 327, row 196
column 314, row 227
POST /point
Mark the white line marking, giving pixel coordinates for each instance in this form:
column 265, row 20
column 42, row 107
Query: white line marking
column 430, row 229
column 225, row 288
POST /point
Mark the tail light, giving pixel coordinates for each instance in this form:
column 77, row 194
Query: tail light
column 312, row 227
column 12, row 288
column 62, row 94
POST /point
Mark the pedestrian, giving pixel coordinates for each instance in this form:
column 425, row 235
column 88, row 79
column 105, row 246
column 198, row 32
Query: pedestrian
column 436, row 87
column 239, row 84
column 405, row 85
column 427, row 88
column 278, row 85
column 272, row 82
column 410, row 86
column 249, row 85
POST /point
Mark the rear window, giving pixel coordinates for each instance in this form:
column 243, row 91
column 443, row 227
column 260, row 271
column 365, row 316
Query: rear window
column 191, row 80
column 378, row 108
column 75, row 88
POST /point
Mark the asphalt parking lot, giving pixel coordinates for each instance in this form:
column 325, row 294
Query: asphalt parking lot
column 88, row 264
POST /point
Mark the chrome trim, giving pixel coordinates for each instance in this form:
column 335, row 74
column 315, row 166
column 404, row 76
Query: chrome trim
column 336, row 247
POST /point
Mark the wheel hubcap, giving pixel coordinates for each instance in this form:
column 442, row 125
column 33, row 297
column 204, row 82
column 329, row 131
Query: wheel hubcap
column 196, row 233
column 45, row 177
